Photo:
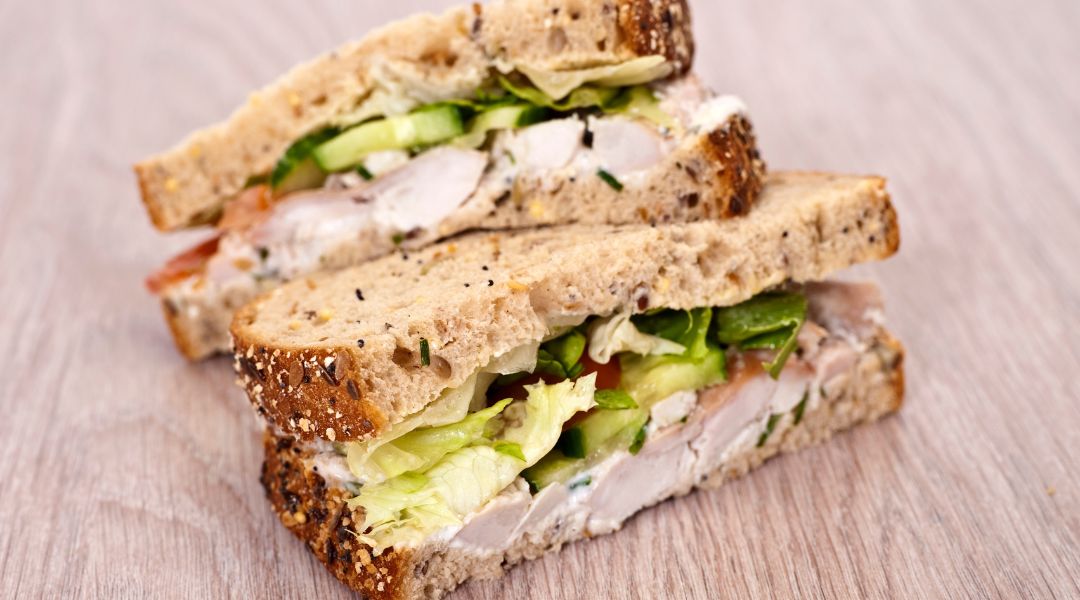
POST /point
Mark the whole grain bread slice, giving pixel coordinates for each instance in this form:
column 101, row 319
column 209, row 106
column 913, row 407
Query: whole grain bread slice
column 344, row 355
column 316, row 512
column 714, row 174
column 425, row 58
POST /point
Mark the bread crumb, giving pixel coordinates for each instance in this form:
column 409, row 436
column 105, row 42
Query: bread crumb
column 171, row 184
column 516, row 286
column 325, row 314
column 305, row 425
column 294, row 325
column 330, row 434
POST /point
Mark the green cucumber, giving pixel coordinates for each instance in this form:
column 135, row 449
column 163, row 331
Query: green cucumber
column 295, row 170
column 302, row 175
column 585, row 444
column 501, row 117
column 606, row 430
column 649, row 379
column 555, row 467
column 509, row 117
column 430, row 125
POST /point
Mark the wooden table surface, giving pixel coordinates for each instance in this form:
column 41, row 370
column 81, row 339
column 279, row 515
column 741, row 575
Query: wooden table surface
column 126, row 472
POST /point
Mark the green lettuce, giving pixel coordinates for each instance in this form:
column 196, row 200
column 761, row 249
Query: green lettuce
column 557, row 84
column 421, row 448
column 688, row 328
column 616, row 334
column 452, row 407
column 767, row 321
column 639, row 101
column 405, row 509
column 636, row 101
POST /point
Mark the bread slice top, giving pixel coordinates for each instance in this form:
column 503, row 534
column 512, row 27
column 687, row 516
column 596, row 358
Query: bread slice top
column 340, row 355
column 422, row 59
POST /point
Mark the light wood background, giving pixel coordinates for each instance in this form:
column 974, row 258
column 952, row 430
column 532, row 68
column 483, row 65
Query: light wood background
column 126, row 472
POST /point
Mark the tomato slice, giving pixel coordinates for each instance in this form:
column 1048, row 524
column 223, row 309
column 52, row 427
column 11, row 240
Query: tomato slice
column 607, row 376
column 182, row 266
column 247, row 209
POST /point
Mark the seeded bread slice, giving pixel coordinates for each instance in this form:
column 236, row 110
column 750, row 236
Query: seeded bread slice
column 316, row 512
column 317, row 360
column 714, row 174
column 425, row 58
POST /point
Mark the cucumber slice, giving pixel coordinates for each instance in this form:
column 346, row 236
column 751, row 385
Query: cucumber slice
column 423, row 127
column 649, row 379
column 584, row 444
column 501, row 117
column 555, row 467
column 295, row 170
column 604, row 431
column 303, row 175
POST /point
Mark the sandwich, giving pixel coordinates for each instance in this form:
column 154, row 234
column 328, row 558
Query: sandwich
column 506, row 115
column 444, row 414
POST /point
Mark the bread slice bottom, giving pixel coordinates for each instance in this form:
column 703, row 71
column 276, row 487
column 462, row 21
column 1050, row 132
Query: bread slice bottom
column 869, row 387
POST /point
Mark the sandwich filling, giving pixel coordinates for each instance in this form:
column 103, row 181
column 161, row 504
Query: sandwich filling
column 601, row 419
column 343, row 195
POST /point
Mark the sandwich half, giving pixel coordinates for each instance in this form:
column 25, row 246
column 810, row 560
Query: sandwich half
column 510, row 114
column 443, row 414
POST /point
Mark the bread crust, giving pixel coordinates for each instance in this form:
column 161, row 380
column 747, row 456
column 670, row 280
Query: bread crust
column 433, row 57
column 352, row 374
column 318, row 515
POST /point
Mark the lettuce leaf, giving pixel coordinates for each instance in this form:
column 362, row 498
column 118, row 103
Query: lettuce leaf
column 547, row 408
column 689, row 328
column 639, row 101
column 767, row 321
column 406, row 509
column 617, row 333
column 452, row 407
column 557, row 84
column 421, row 448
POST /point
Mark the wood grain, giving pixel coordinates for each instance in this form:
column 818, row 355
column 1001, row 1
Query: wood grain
column 125, row 472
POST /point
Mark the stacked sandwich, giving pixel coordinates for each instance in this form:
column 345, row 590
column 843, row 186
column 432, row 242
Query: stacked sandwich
column 500, row 278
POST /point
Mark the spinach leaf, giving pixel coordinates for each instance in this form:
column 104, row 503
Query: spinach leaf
column 767, row 321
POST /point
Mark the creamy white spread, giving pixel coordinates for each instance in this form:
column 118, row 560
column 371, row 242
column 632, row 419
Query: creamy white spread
column 715, row 112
